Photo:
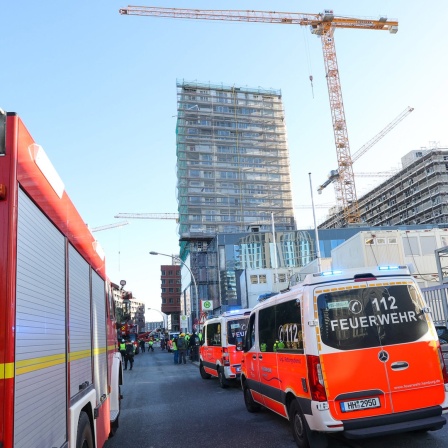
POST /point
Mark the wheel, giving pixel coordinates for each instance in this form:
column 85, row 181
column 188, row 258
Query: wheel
column 251, row 405
column 298, row 425
column 84, row 437
column 203, row 373
column 222, row 378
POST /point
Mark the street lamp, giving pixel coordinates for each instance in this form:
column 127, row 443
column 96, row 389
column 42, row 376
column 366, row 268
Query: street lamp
column 192, row 276
column 163, row 318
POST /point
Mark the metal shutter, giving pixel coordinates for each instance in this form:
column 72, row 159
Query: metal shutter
column 40, row 406
column 99, row 335
column 79, row 318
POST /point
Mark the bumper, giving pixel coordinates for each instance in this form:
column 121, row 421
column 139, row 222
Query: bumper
column 422, row 419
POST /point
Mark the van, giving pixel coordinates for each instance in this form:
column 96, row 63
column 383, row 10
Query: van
column 222, row 346
column 352, row 352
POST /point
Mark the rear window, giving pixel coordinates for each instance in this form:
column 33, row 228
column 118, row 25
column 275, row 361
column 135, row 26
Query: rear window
column 236, row 330
column 371, row 317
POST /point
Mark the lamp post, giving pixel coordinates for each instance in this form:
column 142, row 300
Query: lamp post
column 163, row 318
column 192, row 276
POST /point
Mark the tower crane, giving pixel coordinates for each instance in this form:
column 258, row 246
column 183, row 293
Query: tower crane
column 109, row 226
column 174, row 216
column 323, row 25
column 333, row 176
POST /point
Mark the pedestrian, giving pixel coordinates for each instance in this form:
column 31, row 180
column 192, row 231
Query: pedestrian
column 130, row 351
column 150, row 345
column 175, row 350
column 142, row 345
column 123, row 349
column 182, row 348
column 162, row 344
column 192, row 344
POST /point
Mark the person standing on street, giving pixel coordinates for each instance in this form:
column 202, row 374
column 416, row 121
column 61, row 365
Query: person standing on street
column 182, row 348
column 130, row 351
column 175, row 350
column 193, row 345
column 142, row 345
column 123, row 350
column 150, row 345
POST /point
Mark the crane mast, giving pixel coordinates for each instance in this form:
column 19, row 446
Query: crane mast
column 323, row 25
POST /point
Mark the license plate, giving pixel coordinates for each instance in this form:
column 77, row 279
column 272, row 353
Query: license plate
column 359, row 405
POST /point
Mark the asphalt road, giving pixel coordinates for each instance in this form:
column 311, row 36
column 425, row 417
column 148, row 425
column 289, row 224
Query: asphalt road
column 171, row 406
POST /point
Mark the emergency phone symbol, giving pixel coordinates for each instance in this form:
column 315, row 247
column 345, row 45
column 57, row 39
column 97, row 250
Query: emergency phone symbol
column 355, row 306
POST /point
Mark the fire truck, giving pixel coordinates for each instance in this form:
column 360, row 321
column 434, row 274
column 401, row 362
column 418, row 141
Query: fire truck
column 60, row 368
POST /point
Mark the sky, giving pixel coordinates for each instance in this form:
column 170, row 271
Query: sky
column 97, row 90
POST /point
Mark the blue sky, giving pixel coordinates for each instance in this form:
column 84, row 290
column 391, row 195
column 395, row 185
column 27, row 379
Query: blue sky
column 98, row 91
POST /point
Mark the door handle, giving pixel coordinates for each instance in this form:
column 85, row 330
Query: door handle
column 260, row 356
column 254, row 356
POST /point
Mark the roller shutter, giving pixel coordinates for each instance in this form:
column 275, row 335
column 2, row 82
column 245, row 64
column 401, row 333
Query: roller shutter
column 79, row 323
column 40, row 408
column 99, row 335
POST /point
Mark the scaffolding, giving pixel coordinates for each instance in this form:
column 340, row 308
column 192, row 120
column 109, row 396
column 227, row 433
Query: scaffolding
column 233, row 166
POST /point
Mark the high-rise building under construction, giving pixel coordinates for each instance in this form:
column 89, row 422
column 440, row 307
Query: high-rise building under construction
column 233, row 168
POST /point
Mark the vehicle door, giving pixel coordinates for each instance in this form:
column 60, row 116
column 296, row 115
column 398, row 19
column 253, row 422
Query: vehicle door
column 377, row 353
column 236, row 332
column 212, row 350
column 270, row 382
column 251, row 359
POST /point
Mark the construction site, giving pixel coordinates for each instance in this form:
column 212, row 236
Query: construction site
column 232, row 160
column 417, row 194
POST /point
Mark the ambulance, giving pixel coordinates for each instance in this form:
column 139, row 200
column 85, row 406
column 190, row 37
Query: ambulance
column 352, row 352
column 222, row 346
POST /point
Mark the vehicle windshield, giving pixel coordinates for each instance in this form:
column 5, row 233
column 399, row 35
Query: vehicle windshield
column 132, row 337
column 236, row 330
column 371, row 317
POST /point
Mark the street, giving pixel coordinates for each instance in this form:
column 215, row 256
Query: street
column 171, row 406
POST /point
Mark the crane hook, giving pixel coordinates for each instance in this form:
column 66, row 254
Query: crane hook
column 312, row 89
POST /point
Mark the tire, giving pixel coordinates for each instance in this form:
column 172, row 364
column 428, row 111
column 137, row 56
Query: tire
column 298, row 425
column 203, row 373
column 84, row 436
column 222, row 378
column 251, row 405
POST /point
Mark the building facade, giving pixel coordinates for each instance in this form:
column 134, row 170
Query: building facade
column 417, row 194
column 232, row 160
column 170, row 284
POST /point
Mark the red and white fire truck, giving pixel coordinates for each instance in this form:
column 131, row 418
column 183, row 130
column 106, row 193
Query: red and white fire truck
column 60, row 371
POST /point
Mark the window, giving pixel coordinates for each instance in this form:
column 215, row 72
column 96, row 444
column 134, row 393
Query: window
column 163, row 272
column 171, row 290
column 214, row 334
column 262, row 278
column 281, row 322
column 371, row 317
column 254, row 279
column 410, row 244
column 428, row 244
column 236, row 330
column 250, row 334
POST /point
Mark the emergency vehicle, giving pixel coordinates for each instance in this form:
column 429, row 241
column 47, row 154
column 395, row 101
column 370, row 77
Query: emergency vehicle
column 360, row 356
column 60, row 371
column 222, row 344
